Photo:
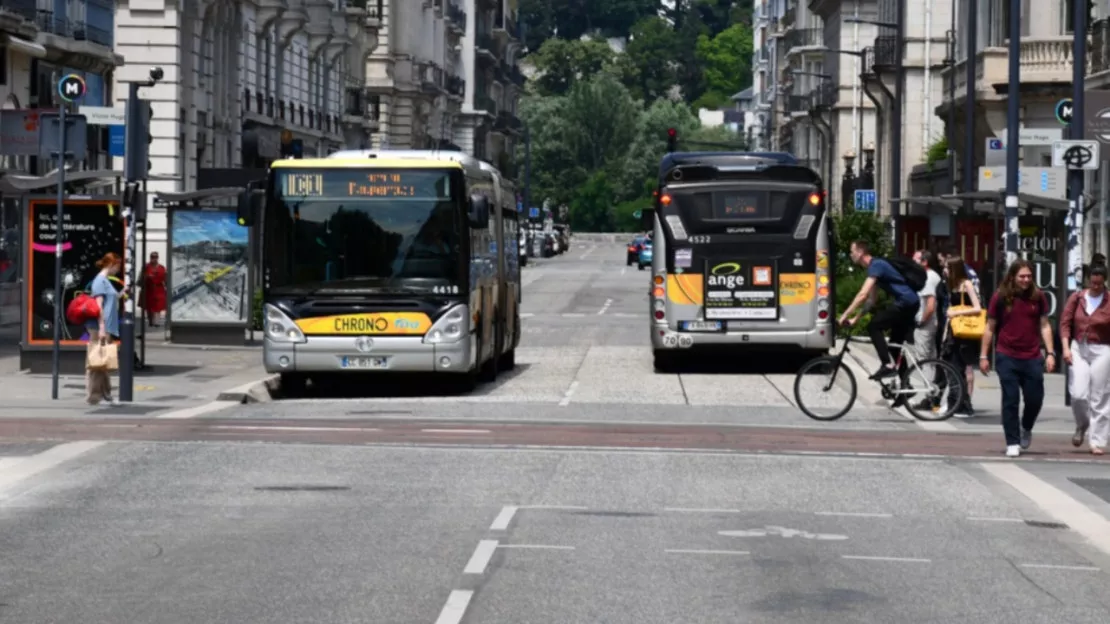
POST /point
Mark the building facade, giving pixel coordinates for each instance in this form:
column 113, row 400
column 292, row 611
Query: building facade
column 240, row 80
column 40, row 42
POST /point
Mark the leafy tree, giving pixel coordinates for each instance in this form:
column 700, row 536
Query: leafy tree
column 590, row 208
column 601, row 117
column 560, row 63
column 726, row 62
column 556, row 170
column 851, row 226
column 641, row 163
column 651, row 53
column 570, row 19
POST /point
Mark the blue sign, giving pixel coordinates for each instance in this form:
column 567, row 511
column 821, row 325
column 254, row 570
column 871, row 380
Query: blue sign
column 519, row 206
column 995, row 145
column 1063, row 111
column 866, row 201
column 533, row 213
column 116, row 135
column 1044, row 181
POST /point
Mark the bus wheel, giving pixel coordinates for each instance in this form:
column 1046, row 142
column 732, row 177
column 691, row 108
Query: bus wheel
column 293, row 385
column 508, row 360
column 488, row 369
column 665, row 361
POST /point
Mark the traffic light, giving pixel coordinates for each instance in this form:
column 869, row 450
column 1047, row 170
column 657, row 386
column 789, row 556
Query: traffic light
column 137, row 137
column 672, row 140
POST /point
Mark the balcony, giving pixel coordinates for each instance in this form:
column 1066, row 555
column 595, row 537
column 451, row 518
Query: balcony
column 803, row 40
column 507, row 122
column 824, row 97
column 485, row 104
column 1098, row 74
column 885, row 54
column 456, row 86
column 1045, row 61
column 786, row 22
column 83, row 44
column 485, row 48
column 354, row 101
column 456, row 19
column 431, row 78
column 867, row 62
column 797, row 105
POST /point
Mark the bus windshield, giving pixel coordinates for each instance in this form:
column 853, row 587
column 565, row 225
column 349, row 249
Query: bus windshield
column 351, row 228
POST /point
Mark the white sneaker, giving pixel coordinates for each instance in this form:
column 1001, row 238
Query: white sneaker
column 1013, row 450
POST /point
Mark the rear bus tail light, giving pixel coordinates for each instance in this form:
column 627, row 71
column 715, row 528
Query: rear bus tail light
column 659, row 296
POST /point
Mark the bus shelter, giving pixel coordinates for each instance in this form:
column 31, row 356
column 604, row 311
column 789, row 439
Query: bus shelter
column 210, row 262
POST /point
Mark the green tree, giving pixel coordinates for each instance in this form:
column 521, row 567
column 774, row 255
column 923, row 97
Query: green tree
column 641, row 163
column 601, row 117
column 715, row 139
column 651, row 53
column 556, row 170
column 850, row 226
column 591, row 208
column 570, row 19
column 726, row 62
column 560, row 63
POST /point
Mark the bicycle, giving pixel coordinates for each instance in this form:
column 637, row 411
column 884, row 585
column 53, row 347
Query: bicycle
column 893, row 388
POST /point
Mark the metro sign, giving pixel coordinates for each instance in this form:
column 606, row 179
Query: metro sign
column 1064, row 111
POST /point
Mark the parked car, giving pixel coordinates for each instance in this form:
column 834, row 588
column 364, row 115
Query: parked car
column 644, row 257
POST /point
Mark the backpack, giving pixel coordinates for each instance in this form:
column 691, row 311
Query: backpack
column 912, row 272
column 82, row 308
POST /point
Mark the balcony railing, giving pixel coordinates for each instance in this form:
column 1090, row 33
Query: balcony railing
column 456, row 17
column 867, row 61
column 788, row 18
column 483, row 102
column 354, row 96
column 456, row 86
column 1100, row 46
column 27, row 9
column 431, row 76
column 60, row 25
column 824, row 96
column 1044, row 60
column 804, row 38
column 505, row 22
column 485, row 43
column 886, row 53
column 797, row 104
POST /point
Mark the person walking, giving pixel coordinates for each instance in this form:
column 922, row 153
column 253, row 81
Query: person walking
column 105, row 328
column 925, row 331
column 963, row 352
column 1018, row 315
column 1085, row 338
column 154, row 291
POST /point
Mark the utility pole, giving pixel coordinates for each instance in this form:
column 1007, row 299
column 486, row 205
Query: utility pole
column 528, row 186
column 136, row 169
column 896, row 123
column 1075, row 132
column 1013, row 121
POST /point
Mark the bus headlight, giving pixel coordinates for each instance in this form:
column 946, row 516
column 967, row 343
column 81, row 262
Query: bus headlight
column 281, row 328
column 450, row 327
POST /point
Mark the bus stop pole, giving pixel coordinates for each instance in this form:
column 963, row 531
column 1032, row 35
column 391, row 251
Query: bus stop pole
column 59, row 229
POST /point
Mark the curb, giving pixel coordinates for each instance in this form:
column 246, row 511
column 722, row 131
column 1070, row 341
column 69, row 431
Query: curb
column 258, row 391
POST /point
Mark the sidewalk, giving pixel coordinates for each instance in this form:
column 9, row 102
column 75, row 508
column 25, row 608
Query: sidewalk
column 987, row 400
column 179, row 377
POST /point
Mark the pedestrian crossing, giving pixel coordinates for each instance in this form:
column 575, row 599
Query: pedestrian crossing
column 19, row 463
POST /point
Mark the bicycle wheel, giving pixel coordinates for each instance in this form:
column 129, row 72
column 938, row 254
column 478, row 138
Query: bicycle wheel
column 939, row 388
column 825, row 389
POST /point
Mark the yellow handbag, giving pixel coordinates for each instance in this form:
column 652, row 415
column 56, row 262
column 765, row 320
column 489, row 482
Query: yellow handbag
column 968, row 326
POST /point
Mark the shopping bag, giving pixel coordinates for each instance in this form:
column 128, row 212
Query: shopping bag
column 102, row 356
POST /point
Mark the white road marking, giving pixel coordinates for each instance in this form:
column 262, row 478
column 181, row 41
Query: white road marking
column 700, row 510
column 1045, row 566
column 35, row 464
column 572, row 314
column 624, row 270
column 480, row 559
column 1056, row 503
column 898, row 559
column 589, row 251
column 527, row 314
column 685, row 551
column 8, row 462
column 501, row 522
column 567, row 507
column 469, row 431
column 626, row 315
column 285, row 428
column 569, row 393
column 784, row 533
column 852, row 514
column 604, row 308
column 977, row 519
column 536, row 546
column 455, row 609
column 199, row 410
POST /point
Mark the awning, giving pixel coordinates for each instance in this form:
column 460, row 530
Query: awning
column 995, row 199
column 18, row 184
column 30, row 48
column 202, row 195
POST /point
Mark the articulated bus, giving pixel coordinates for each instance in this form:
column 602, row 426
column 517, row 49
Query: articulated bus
column 391, row 261
column 743, row 257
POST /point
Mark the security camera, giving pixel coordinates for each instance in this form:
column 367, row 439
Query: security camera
column 156, row 73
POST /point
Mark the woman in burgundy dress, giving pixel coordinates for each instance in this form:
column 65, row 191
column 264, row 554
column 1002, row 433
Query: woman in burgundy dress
column 154, row 290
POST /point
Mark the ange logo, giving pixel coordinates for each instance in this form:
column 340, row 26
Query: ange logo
column 726, row 275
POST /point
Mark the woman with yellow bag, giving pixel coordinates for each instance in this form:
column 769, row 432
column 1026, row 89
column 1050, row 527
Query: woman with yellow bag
column 967, row 320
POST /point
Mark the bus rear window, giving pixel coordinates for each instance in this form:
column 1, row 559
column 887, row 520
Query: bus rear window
column 740, row 206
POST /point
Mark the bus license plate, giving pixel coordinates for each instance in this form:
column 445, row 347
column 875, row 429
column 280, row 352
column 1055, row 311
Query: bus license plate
column 702, row 326
column 364, row 362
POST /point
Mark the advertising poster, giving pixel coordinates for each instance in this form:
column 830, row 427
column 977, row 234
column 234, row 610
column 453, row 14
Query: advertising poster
column 209, row 260
column 741, row 290
column 90, row 229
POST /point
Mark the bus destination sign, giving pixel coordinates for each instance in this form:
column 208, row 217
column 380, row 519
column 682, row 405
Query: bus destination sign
column 360, row 183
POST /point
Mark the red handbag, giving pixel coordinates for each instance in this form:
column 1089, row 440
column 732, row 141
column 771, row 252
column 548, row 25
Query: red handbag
column 84, row 307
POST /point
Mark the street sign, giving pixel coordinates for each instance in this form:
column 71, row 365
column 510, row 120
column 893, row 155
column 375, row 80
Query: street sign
column 1063, row 111
column 533, row 213
column 865, row 201
column 1097, row 124
column 1076, row 155
column 50, row 135
column 1050, row 182
column 72, row 88
column 638, row 214
column 103, row 115
column 1033, row 137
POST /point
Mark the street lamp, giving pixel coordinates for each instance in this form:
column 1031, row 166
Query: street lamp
column 848, row 181
column 867, row 169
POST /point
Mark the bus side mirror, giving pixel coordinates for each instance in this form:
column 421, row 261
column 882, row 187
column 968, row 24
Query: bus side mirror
column 479, row 211
column 647, row 219
column 249, row 205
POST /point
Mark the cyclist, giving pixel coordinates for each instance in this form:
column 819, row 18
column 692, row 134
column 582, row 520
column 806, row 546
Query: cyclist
column 900, row 318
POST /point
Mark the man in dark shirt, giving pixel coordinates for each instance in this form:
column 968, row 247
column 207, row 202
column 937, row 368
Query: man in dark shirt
column 899, row 317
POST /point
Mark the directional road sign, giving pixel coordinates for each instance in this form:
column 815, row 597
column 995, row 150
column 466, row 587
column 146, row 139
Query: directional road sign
column 865, row 201
column 1076, row 155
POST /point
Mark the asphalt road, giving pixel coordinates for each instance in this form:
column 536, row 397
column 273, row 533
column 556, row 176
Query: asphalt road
column 581, row 488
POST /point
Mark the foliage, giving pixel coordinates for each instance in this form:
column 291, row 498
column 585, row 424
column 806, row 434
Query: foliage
column 849, row 227
column 570, row 19
column 560, row 64
column 726, row 62
column 937, row 152
column 256, row 311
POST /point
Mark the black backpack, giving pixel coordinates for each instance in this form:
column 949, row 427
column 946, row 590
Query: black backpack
column 912, row 272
